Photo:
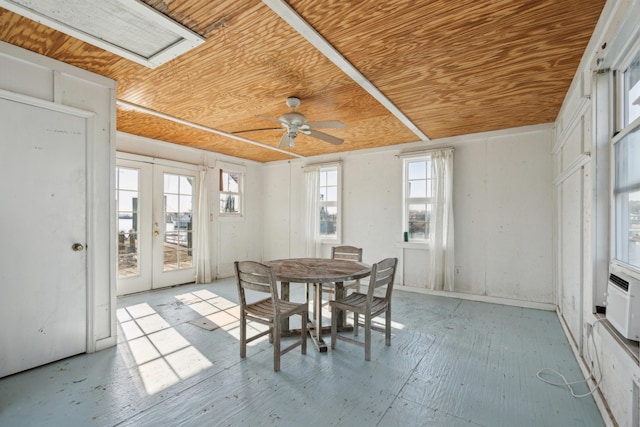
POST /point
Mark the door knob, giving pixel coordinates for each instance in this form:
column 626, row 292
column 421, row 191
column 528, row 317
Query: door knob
column 78, row 247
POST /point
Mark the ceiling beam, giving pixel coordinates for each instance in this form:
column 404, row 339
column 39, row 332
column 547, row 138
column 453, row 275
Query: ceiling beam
column 291, row 17
column 201, row 127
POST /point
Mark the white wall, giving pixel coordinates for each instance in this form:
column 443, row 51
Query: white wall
column 502, row 203
column 41, row 78
column 232, row 239
column 582, row 194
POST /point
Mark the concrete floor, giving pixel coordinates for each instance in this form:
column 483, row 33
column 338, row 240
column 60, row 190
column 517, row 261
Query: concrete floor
column 451, row 363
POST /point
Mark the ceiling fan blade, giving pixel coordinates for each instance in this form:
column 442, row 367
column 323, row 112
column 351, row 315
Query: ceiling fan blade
column 284, row 141
column 270, row 118
column 325, row 137
column 335, row 124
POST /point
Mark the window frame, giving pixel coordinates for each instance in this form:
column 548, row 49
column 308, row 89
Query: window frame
column 623, row 128
column 407, row 201
column 337, row 238
column 239, row 193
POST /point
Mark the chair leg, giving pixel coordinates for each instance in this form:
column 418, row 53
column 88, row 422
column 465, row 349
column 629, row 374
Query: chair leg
column 243, row 335
column 334, row 327
column 367, row 337
column 276, row 345
column 303, row 332
column 356, row 323
column 387, row 326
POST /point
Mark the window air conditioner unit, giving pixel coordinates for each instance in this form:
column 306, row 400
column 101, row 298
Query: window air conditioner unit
column 623, row 303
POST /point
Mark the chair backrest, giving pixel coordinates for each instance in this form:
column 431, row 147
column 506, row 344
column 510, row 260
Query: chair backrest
column 350, row 253
column 382, row 274
column 257, row 277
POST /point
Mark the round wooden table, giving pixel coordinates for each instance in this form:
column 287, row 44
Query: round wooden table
column 317, row 271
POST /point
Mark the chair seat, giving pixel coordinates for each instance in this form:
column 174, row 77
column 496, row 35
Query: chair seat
column 264, row 308
column 357, row 302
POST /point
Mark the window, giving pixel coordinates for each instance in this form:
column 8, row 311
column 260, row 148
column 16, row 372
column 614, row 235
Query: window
column 329, row 203
column 230, row 193
column 418, row 188
column 626, row 185
column 626, row 193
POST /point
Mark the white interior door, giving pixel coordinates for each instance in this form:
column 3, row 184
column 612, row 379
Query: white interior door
column 155, row 211
column 43, row 264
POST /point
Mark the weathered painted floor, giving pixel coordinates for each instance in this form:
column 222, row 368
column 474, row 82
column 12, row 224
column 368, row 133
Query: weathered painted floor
column 451, row 363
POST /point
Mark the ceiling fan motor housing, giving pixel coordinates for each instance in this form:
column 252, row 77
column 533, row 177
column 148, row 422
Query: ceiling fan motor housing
column 296, row 123
column 294, row 119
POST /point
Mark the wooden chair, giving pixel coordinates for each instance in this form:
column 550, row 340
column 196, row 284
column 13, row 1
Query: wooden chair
column 269, row 311
column 368, row 305
column 349, row 253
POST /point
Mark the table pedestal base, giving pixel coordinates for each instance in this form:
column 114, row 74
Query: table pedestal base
column 321, row 346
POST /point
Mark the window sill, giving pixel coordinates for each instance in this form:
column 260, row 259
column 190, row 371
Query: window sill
column 230, row 218
column 413, row 245
column 335, row 242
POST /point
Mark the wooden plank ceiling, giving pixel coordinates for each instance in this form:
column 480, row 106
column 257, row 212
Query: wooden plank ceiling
column 452, row 67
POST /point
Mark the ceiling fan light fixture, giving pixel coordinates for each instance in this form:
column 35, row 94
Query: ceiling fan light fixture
column 294, row 122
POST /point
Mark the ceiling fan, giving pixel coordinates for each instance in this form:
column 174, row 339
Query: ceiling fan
column 295, row 123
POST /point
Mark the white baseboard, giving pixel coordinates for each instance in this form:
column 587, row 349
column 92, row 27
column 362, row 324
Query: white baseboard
column 480, row 298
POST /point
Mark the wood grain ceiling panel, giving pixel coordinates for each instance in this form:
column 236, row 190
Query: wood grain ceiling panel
column 465, row 66
column 453, row 67
column 149, row 126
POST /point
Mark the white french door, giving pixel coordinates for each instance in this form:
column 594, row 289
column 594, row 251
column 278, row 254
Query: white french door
column 156, row 204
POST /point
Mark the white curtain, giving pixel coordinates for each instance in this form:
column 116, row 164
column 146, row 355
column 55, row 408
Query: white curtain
column 201, row 250
column 311, row 224
column 441, row 243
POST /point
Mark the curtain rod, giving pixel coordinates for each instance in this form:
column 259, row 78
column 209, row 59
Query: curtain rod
column 417, row 152
column 310, row 165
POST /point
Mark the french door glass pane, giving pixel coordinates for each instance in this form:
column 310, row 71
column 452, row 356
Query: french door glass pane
column 178, row 213
column 127, row 196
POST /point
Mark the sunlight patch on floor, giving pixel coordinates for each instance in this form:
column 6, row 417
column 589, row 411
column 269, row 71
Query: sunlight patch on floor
column 163, row 357
column 219, row 312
